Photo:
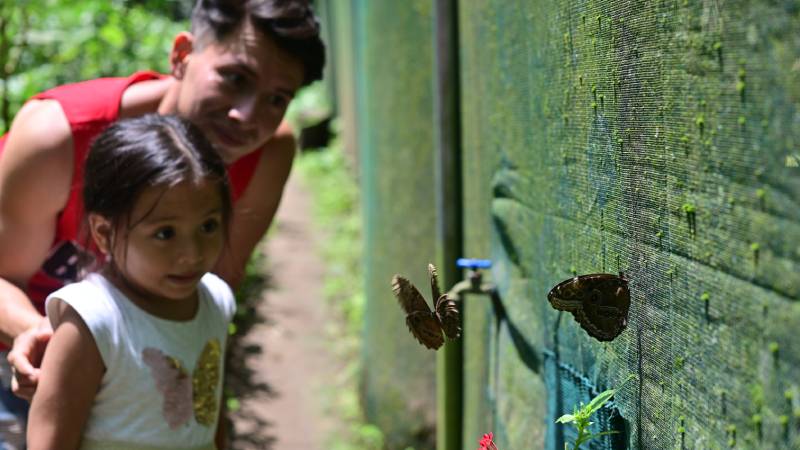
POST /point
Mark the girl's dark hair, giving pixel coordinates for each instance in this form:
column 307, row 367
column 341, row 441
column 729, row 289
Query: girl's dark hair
column 152, row 150
column 291, row 23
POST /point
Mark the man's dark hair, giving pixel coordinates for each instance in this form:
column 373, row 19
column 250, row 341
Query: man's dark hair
column 291, row 23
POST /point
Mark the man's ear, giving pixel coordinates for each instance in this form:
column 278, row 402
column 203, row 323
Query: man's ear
column 102, row 232
column 182, row 47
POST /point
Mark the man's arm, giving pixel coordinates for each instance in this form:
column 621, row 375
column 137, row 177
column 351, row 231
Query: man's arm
column 16, row 312
column 253, row 213
column 35, row 176
column 71, row 376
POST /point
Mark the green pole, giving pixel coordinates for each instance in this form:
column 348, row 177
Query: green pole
column 449, row 361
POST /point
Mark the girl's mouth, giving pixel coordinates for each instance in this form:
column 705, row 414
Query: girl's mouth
column 185, row 278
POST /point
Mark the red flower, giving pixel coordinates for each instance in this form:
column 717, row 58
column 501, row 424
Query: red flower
column 486, row 442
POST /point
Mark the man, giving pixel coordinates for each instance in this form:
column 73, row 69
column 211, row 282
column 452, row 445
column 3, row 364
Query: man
column 233, row 75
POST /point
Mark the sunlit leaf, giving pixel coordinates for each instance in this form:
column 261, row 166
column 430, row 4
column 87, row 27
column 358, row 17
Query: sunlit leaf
column 599, row 401
column 566, row 418
column 113, row 35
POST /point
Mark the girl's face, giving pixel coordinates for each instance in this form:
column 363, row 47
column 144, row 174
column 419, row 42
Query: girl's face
column 174, row 236
column 236, row 90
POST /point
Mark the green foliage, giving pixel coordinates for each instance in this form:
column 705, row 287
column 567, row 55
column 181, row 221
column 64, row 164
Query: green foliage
column 310, row 106
column 581, row 417
column 45, row 43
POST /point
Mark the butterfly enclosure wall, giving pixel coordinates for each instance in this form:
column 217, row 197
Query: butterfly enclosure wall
column 659, row 138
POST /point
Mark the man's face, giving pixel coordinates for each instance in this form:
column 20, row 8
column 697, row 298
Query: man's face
column 237, row 90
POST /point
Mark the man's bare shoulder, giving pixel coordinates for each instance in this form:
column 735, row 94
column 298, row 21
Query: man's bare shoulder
column 144, row 97
column 37, row 161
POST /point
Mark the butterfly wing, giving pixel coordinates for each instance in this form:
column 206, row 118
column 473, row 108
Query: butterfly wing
column 567, row 295
column 420, row 320
column 450, row 318
column 174, row 384
column 599, row 303
column 426, row 329
column 605, row 311
column 411, row 300
column 205, row 380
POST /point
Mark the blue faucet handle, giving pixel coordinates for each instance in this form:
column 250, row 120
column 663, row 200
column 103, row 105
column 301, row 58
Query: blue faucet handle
column 472, row 263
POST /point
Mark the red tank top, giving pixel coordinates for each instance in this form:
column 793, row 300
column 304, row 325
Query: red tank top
column 90, row 107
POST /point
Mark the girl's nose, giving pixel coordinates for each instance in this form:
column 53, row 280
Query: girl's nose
column 191, row 253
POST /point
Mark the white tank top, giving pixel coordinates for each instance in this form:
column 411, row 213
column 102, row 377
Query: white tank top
column 163, row 381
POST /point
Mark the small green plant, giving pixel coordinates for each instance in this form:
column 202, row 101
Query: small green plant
column 700, row 121
column 754, row 247
column 581, row 416
column 758, row 424
column 731, row 432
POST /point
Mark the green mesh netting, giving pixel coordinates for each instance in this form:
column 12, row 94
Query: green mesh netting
column 658, row 138
column 394, row 60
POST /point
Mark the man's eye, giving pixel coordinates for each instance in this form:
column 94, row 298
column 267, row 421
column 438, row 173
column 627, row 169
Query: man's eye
column 278, row 101
column 233, row 78
column 210, row 226
column 164, row 233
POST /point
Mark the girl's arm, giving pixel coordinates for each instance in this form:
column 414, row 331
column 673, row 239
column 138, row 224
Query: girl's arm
column 71, row 373
column 221, row 436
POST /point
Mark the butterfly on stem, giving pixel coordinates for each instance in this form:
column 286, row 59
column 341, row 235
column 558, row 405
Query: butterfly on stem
column 428, row 326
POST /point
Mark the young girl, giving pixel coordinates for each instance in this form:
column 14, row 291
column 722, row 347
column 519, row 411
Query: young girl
column 136, row 359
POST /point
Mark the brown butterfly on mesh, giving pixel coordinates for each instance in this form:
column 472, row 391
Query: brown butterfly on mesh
column 426, row 325
column 599, row 302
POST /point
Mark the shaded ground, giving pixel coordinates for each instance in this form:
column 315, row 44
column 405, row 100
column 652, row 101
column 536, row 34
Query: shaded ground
column 281, row 362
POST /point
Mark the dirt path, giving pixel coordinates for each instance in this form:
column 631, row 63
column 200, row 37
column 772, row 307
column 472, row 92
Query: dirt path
column 285, row 355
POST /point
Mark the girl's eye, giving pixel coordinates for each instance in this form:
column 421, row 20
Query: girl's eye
column 164, row 234
column 210, row 226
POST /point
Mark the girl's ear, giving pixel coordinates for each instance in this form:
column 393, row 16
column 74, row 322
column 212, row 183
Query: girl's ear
column 102, row 232
column 182, row 47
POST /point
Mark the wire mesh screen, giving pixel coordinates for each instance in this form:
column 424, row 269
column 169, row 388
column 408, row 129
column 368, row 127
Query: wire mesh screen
column 658, row 138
